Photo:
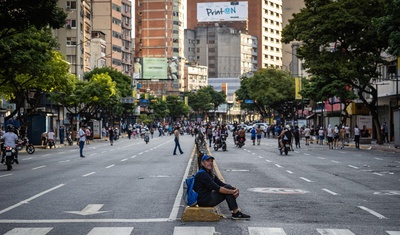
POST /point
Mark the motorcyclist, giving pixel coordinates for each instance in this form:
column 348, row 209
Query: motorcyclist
column 286, row 134
column 147, row 134
column 10, row 139
column 241, row 134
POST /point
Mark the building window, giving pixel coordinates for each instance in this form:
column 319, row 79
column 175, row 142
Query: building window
column 116, row 48
column 116, row 21
column 71, row 5
column 71, row 41
column 176, row 49
column 116, row 7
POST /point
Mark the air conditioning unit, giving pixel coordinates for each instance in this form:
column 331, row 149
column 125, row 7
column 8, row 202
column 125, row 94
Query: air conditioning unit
column 68, row 8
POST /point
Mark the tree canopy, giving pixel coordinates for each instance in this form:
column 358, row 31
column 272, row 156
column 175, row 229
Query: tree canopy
column 340, row 42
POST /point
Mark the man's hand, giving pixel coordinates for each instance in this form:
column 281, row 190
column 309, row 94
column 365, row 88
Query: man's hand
column 236, row 192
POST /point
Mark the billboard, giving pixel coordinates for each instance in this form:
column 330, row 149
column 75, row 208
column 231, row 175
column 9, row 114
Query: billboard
column 155, row 68
column 222, row 11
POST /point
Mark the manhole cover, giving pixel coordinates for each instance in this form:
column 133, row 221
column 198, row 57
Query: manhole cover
column 278, row 190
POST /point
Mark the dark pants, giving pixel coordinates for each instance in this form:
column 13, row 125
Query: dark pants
column 215, row 198
column 81, row 144
column 357, row 141
column 177, row 145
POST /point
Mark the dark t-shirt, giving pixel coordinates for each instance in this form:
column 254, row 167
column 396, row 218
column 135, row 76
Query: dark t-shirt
column 204, row 184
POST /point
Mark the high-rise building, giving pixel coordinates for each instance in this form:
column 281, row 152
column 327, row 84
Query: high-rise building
column 159, row 43
column 74, row 39
column 264, row 21
column 113, row 18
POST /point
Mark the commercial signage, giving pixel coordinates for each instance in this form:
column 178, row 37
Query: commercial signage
column 222, row 11
column 155, row 68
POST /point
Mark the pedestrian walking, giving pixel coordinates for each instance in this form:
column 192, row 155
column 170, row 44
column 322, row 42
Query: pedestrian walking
column 296, row 134
column 111, row 135
column 357, row 136
column 82, row 140
column 88, row 134
column 259, row 132
column 329, row 136
column 307, row 135
column 342, row 136
column 321, row 135
column 177, row 145
column 335, row 137
column 61, row 132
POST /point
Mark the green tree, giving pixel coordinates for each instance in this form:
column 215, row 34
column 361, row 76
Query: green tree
column 389, row 26
column 87, row 98
column 160, row 108
column 29, row 69
column 176, row 107
column 17, row 16
column 123, row 83
column 200, row 101
column 270, row 89
column 340, row 42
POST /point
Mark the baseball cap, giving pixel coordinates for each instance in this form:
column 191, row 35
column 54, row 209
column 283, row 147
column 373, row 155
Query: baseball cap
column 206, row 157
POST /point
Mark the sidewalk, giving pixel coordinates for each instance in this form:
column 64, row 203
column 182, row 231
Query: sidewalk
column 387, row 147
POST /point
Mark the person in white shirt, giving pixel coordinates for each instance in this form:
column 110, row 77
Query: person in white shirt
column 307, row 134
column 357, row 137
column 82, row 140
column 10, row 139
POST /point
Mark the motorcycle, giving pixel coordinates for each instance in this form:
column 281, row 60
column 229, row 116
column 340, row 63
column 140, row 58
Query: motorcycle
column 240, row 142
column 221, row 143
column 146, row 138
column 10, row 157
column 286, row 147
column 51, row 143
column 25, row 142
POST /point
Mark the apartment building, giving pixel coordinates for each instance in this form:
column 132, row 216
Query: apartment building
column 159, row 38
column 226, row 51
column 113, row 18
column 264, row 21
column 74, row 39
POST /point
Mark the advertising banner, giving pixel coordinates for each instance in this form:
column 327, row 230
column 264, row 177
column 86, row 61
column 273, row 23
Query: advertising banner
column 222, row 11
column 155, row 68
column 365, row 125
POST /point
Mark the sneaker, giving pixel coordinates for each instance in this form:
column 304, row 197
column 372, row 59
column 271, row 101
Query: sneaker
column 239, row 215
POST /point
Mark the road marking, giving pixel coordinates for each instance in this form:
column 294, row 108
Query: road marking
column 335, row 161
column 289, row 172
column 236, row 170
column 29, row 158
column 377, row 174
column 124, row 160
column 91, row 209
column 329, row 191
column 393, row 232
column 321, row 158
column 110, row 166
column 5, row 175
column 260, row 157
column 92, row 154
column 266, row 231
column 305, row 179
column 51, row 221
column 335, row 232
column 38, row 167
column 64, row 161
column 140, row 153
column 267, row 160
column 30, row 199
column 91, row 173
column 133, row 156
column 372, row 212
column 61, row 152
column 194, row 230
column 32, row 231
column 111, row 231
column 278, row 165
column 46, row 155
column 307, row 154
column 353, row 166
column 377, row 158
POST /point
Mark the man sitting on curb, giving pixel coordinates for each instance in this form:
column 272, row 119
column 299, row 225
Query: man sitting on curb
column 212, row 191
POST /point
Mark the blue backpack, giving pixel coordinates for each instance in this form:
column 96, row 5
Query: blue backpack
column 189, row 195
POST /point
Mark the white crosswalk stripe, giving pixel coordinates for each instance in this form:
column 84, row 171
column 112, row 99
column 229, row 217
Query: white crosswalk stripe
column 31, row 231
column 111, row 231
column 266, row 231
column 335, row 232
column 194, row 230
column 184, row 230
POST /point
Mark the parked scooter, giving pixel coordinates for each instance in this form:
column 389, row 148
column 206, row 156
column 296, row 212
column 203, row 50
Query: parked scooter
column 25, row 142
column 220, row 143
column 11, row 155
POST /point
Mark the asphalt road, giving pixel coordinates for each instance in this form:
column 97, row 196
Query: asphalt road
column 134, row 188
